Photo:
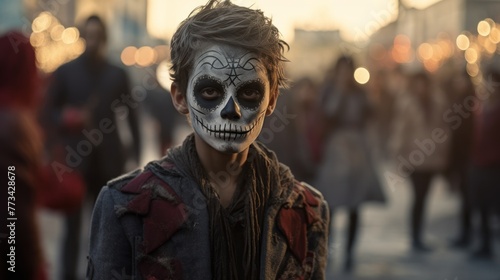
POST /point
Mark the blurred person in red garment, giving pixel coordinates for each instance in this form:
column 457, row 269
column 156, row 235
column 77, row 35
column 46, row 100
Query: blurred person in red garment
column 20, row 158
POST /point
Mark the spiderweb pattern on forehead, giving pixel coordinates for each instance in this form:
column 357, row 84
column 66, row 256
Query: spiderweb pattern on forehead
column 231, row 63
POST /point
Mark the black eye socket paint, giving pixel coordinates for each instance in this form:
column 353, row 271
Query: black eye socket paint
column 250, row 94
column 209, row 86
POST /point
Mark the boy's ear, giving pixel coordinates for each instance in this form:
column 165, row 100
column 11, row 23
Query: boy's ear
column 179, row 99
column 272, row 102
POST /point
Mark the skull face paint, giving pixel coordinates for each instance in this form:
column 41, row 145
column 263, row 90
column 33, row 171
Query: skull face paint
column 227, row 96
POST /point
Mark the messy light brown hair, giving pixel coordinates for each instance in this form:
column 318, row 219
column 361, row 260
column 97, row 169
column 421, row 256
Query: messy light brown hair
column 223, row 22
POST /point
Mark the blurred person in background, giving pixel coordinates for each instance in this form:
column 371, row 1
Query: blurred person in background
column 291, row 130
column 458, row 89
column 346, row 175
column 420, row 144
column 21, row 155
column 83, row 101
column 382, row 98
column 158, row 105
column 308, row 127
column 485, row 165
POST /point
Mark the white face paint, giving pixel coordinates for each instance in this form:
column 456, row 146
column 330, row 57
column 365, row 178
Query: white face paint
column 228, row 95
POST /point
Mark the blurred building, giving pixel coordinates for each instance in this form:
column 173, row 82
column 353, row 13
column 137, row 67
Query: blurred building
column 46, row 21
column 429, row 36
column 314, row 51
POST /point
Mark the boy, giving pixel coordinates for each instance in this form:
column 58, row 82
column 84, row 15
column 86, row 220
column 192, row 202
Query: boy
column 220, row 206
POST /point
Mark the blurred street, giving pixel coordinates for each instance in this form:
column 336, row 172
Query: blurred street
column 384, row 252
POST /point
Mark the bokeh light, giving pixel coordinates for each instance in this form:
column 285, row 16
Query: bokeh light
column 162, row 52
column 54, row 44
column 463, row 42
column 128, row 55
column 471, row 55
column 402, row 51
column 483, row 28
column 56, row 32
column 472, row 69
column 361, row 75
column 41, row 22
column 70, row 35
column 425, row 51
column 145, row 56
column 37, row 39
column 163, row 74
column 495, row 35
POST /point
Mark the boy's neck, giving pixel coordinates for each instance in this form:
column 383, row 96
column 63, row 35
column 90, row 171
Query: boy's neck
column 222, row 169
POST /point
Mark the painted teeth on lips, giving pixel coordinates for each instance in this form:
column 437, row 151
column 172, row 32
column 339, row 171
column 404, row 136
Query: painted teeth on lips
column 223, row 130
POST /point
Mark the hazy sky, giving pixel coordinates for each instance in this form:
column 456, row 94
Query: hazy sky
column 354, row 18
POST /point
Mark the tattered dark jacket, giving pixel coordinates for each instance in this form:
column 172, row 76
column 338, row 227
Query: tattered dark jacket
column 149, row 225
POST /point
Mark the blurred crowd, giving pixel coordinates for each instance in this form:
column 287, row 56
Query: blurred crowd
column 404, row 125
column 64, row 135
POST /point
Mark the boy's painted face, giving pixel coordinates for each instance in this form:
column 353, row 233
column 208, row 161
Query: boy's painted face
column 227, row 96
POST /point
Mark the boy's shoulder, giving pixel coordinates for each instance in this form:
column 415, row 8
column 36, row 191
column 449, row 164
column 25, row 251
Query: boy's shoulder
column 303, row 193
column 120, row 181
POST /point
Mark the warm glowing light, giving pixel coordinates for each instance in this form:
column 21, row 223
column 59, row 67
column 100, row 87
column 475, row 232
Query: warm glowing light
column 471, row 55
column 472, row 69
column 402, row 51
column 402, row 42
column 70, row 35
column 431, row 65
column 490, row 22
column 56, row 32
column 495, row 35
column 54, row 44
column 128, row 55
column 483, row 28
column 490, row 47
column 162, row 52
column 37, row 39
column 447, row 48
column 145, row 56
column 163, row 74
column 463, row 42
column 79, row 46
column 42, row 55
column 361, row 75
column 42, row 22
column 425, row 51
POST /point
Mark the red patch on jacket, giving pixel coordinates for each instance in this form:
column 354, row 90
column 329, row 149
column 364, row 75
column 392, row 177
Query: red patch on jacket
column 294, row 222
column 162, row 218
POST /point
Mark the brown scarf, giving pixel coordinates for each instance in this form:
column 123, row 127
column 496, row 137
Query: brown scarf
column 258, row 181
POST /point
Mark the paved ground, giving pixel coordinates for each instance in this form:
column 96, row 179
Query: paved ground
column 383, row 252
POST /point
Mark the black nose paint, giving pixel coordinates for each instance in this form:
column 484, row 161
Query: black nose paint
column 231, row 110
